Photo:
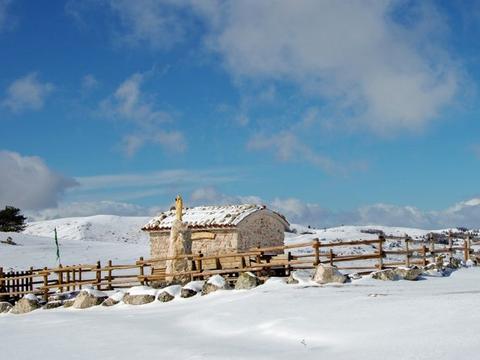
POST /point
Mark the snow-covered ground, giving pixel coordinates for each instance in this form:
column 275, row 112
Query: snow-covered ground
column 435, row 318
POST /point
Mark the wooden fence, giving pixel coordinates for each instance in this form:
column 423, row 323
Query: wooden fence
column 276, row 260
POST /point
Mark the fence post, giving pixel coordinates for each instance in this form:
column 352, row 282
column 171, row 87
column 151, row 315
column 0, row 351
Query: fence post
column 331, row 255
column 68, row 278
column 80, row 277
column 45, row 284
column 381, row 240
column 99, row 275
column 30, row 279
column 109, row 280
column 466, row 248
column 432, row 247
column 316, row 249
column 2, row 280
column 142, row 270
column 407, row 252
column 60, row 278
column 424, row 255
column 289, row 268
column 450, row 245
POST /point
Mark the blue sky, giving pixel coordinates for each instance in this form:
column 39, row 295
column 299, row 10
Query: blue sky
column 331, row 112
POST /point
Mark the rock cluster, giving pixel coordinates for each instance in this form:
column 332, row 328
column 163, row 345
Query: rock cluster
column 402, row 273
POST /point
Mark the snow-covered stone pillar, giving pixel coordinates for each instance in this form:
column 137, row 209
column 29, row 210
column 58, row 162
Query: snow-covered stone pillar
column 179, row 245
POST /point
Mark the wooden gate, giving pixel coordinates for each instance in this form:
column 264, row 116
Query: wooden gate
column 15, row 282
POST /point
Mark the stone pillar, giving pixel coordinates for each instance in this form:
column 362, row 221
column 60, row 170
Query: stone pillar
column 179, row 244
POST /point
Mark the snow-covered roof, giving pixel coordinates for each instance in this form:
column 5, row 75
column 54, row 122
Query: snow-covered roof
column 207, row 217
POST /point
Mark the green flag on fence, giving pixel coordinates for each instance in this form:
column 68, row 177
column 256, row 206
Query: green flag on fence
column 56, row 244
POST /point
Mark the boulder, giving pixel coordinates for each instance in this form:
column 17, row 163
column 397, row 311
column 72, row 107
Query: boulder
column 433, row 270
column 25, row 305
column 246, row 281
column 165, row 296
column 139, row 299
column 439, row 260
column 325, row 274
column 291, row 280
column 214, row 283
column 455, row 263
column 52, row 304
column 187, row 292
column 88, row 298
column 114, row 299
column 5, row 307
column 401, row 273
column 411, row 273
column 68, row 303
column 386, row 275
column 109, row 302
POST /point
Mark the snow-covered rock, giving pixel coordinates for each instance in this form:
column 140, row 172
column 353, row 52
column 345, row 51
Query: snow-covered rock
column 114, row 299
column 186, row 293
column 140, row 295
column 52, row 304
column 165, row 296
column 88, row 298
column 5, row 307
column 246, row 281
column 325, row 274
column 26, row 304
column 214, row 283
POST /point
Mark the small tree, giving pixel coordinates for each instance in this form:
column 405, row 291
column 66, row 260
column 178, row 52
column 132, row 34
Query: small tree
column 11, row 219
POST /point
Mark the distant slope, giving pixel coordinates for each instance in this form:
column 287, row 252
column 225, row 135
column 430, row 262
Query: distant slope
column 103, row 228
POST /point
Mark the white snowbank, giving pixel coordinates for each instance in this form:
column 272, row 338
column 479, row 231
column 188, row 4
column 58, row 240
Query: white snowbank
column 195, row 285
column 217, row 280
column 365, row 320
column 94, row 292
column 142, row 290
column 173, row 290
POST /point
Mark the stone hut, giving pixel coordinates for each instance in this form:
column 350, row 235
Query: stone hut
column 220, row 229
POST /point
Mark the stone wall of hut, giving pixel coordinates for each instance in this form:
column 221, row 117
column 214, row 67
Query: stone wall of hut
column 261, row 229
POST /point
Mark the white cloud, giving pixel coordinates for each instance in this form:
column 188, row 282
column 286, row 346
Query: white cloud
column 151, row 22
column 91, row 208
column 209, row 195
column 27, row 93
column 465, row 213
column 355, row 54
column 5, row 20
column 288, row 147
column 89, row 82
column 133, row 105
column 27, row 182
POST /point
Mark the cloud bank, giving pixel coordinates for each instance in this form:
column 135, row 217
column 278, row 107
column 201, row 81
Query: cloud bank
column 28, row 183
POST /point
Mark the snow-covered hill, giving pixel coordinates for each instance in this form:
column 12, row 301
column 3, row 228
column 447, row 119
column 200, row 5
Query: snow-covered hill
column 104, row 228
column 82, row 240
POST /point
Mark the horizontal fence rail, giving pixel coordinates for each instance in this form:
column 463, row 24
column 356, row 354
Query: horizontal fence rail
column 266, row 261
